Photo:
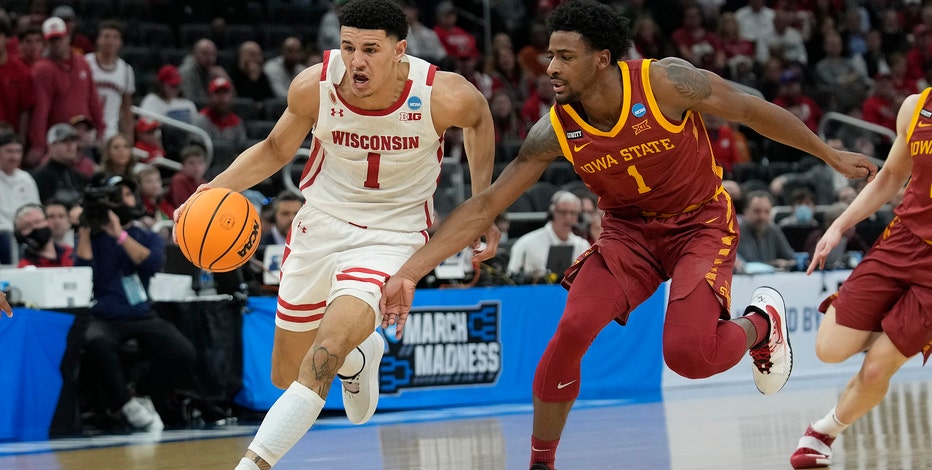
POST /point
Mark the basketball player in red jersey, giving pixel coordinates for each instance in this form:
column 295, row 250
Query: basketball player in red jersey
column 633, row 132
column 883, row 305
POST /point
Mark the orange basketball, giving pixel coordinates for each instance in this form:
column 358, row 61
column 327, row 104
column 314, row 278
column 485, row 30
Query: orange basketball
column 218, row 230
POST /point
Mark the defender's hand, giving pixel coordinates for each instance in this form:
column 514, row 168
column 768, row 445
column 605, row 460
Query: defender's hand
column 397, row 296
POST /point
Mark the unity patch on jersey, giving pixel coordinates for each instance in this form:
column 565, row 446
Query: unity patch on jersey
column 574, row 135
column 925, row 113
column 444, row 347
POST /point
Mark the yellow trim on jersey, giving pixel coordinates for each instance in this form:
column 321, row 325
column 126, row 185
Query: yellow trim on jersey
column 689, row 208
column 655, row 108
column 912, row 122
column 561, row 134
column 625, row 106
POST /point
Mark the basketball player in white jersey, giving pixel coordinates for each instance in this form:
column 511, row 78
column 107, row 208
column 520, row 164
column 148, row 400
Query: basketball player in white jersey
column 378, row 117
column 114, row 78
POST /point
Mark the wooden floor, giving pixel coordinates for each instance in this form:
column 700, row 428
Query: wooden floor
column 716, row 427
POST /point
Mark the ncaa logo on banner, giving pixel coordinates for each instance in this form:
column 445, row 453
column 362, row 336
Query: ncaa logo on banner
column 444, row 347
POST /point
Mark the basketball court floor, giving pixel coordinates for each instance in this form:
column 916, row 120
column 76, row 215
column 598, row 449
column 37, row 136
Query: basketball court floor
column 694, row 428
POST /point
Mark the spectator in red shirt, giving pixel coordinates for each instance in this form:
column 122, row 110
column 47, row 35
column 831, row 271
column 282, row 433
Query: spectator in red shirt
column 539, row 101
column 456, row 41
column 881, row 106
column 35, row 237
column 218, row 118
column 16, row 95
column 149, row 139
column 31, row 45
column 699, row 46
column 791, row 98
column 919, row 56
column 64, row 88
column 191, row 175
column 152, row 193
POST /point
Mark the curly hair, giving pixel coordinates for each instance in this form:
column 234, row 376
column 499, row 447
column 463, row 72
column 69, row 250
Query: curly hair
column 600, row 26
column 385, row 15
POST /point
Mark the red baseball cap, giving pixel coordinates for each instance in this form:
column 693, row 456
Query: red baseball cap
column 218, row 84
column 146, row 125
column 169, row 75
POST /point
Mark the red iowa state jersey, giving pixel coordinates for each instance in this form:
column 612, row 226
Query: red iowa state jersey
column 646, row 164
column 916, row 209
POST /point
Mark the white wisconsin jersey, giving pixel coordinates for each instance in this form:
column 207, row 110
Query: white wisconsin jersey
column 111, row 85
column 380, row 168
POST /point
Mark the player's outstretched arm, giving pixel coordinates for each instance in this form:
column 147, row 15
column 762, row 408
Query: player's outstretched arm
column 896, row 170
column 5, row 305
column 460, row 104
column 679, row 86
column 468, row 220
column 268, row 156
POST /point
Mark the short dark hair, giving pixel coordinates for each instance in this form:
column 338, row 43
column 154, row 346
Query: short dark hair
column 600, row 26
column 31, row 29
column 285, row 196
column 384, row 15
column 110, row 24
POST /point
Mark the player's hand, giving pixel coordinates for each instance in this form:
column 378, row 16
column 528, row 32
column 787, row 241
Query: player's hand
column 853, row 165
column 5, row 305
column 180, row 209
column 828, row 241
column 482, row 251
column 397, row 296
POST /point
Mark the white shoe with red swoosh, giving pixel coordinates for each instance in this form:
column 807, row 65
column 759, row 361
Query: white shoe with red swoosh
column 773, row 359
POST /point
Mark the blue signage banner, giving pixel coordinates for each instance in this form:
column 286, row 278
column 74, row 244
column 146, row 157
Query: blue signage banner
column 479, row 346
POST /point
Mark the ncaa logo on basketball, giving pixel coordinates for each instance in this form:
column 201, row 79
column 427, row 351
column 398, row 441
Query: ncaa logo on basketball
column 639, row 110
column 414, row 103
column 444, row 347
column 409, row 116
column 253, row 237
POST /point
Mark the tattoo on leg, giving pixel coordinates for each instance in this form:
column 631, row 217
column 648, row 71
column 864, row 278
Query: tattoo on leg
column 325, row 367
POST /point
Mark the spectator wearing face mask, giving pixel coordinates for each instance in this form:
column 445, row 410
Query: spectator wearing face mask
column 803, row 209
column 35, row 237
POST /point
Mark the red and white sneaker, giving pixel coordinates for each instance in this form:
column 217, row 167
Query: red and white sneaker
column 814, row 451
column 773, row 359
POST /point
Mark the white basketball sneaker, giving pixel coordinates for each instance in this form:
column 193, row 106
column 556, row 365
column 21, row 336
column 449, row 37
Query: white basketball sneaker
column 361, row 391
column 773, row 358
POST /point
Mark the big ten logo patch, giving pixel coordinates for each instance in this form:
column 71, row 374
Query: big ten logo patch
column 409, row 116
column 444, row 347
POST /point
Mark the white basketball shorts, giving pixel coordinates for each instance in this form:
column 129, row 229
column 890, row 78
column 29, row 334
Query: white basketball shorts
column 327, row 258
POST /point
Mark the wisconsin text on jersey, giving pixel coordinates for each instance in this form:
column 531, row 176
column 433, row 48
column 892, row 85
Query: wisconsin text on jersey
column 628, row 154
column 375, row 142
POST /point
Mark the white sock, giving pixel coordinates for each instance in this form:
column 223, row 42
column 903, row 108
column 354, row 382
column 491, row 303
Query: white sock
column 287, row 421
column 246, row 464
column 829, row 424
column 352, row 364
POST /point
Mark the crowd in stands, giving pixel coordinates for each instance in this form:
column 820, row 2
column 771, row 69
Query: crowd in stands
column 70, row 74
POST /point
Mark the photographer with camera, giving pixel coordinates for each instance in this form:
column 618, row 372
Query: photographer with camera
column 124, row 256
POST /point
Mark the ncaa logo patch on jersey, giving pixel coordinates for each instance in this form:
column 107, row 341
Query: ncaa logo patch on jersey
column 414, row 103
column 638, row 110
column 925, row 113
column 574, row 134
